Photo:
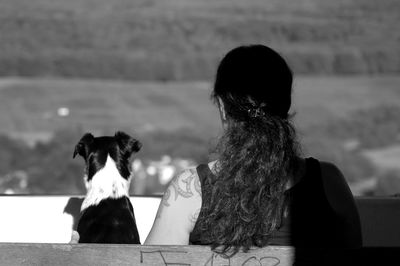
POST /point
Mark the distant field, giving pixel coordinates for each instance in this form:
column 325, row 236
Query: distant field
column 30, row 105
column 184, row 39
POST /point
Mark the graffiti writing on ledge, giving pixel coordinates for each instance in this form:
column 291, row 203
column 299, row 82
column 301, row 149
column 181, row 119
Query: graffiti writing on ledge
column 161, row 254
column 268, row 261
column 217, row 259
column 160, row 257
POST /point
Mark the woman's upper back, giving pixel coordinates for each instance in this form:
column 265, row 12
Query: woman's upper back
column 321, row 209
column 321, row 193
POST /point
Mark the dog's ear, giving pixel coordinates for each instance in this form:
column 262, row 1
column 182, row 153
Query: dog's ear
column 81, row 147
column 127, row 144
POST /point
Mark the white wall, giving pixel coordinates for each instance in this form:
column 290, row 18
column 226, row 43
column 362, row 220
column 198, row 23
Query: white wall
column 41, row 219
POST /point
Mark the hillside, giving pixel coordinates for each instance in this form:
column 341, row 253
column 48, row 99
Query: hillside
column 350, row 121
column 184, row 39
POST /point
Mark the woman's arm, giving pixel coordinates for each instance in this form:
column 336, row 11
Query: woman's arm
column 342, row 201
column 177, row 212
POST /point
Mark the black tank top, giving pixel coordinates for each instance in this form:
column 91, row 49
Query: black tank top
column 311, row 221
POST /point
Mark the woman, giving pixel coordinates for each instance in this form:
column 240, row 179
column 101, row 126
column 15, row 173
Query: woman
column 260, row 191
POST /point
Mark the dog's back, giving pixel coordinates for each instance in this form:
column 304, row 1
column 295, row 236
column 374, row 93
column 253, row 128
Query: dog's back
column 111, row 221
column 107, row 213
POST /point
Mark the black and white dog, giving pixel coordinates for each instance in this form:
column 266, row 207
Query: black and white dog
column 107, row 213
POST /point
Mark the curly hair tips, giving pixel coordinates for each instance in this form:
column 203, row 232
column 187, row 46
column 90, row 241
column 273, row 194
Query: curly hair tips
column 248, row 193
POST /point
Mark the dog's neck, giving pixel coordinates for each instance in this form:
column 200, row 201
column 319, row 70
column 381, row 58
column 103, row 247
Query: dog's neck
column 106, row 183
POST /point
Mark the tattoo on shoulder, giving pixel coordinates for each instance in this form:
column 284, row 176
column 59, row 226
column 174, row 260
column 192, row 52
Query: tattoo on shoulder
column 182, row 186
column 186, row 190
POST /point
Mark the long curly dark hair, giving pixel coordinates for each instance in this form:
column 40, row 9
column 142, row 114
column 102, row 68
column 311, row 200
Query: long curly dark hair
column 258, row 152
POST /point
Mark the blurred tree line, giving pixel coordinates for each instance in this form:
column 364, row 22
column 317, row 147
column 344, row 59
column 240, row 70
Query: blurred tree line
column 345, row 142
column 48, row 167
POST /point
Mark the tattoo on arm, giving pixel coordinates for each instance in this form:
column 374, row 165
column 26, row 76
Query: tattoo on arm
column 182, row 186
column 186, row 191
column 197, row 184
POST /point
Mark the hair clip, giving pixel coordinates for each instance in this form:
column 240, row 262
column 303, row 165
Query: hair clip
column 255, row 112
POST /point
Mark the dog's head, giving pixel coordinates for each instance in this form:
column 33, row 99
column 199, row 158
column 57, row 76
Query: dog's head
column 98, row 151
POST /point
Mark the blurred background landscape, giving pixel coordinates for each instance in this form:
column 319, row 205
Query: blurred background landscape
column 147, row 66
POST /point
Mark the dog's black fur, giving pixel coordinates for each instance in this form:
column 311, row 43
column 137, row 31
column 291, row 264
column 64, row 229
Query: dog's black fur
column 108, row 218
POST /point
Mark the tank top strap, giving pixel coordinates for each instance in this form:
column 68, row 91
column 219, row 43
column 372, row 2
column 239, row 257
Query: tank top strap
column 314, row 176
column 312, row 172
column 313, row 166
column 203, row 171
column 205, row 177
column 205, row 174
column 310, row 177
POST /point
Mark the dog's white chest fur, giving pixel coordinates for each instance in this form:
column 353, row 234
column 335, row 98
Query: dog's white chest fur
column 106, row 183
